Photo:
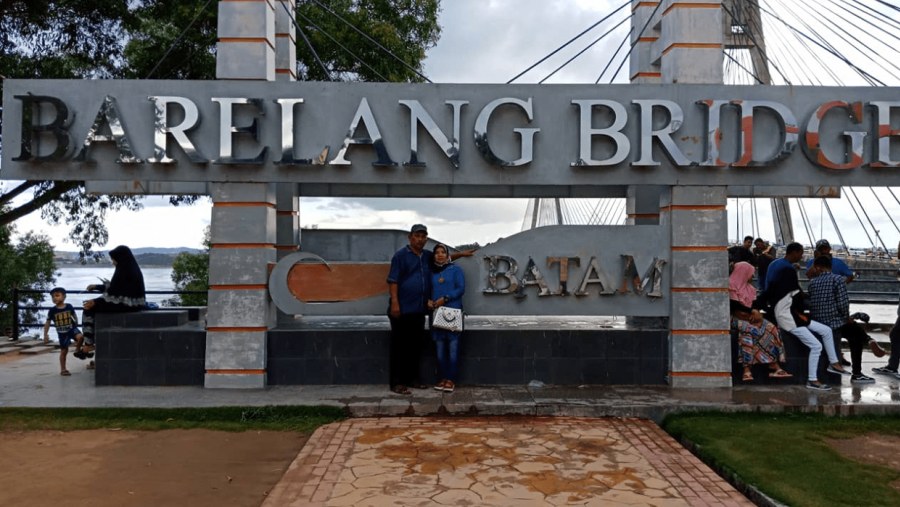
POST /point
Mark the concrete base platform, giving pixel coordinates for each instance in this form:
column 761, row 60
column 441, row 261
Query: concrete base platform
column 34, row 381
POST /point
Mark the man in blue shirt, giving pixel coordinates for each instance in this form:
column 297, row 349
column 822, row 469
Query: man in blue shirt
column 409, row 283
column 838, row 267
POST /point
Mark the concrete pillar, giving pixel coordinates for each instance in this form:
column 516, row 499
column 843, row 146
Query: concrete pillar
column 246, row 46
column 242, row 228
column 642, row 204
column 644, row 62
column 699, row 326
column 285, row 41
column 240, row 313
column 690, row 42
column 287, row 219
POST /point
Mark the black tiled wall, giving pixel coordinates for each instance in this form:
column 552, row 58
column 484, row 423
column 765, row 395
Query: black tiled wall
column 486, row 357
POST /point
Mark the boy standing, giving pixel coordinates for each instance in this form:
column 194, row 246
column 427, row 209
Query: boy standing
column 66, row 323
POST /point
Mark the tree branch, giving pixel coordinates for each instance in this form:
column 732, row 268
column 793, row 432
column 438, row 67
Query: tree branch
column 59, row 188
column 12, row 194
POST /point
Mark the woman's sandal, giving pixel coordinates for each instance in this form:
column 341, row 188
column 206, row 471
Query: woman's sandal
column 747, row 376
column 400, row 389
column 779, row 373
column 65, row 373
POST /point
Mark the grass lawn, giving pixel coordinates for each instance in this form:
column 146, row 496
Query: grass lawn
column 787, row 457
column 301, row 419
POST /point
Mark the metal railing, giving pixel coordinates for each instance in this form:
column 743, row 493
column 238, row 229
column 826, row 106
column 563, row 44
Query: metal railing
column 17, row 307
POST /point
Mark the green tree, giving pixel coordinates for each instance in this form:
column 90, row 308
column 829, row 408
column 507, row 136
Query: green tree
column 25, row 264
column 190, row 272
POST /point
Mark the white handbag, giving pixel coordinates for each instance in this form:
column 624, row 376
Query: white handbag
column 448, row 318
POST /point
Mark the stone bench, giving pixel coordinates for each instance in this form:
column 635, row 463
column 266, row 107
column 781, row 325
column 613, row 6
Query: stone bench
column 158, row 347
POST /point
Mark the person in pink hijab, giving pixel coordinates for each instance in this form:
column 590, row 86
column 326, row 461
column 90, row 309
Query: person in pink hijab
column 758, row 338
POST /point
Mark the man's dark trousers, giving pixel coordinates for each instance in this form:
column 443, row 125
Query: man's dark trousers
column 407, row 337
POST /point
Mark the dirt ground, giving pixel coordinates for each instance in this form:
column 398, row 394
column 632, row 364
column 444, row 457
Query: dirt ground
column 103, row 468
column 874, row 449
column 143, row 468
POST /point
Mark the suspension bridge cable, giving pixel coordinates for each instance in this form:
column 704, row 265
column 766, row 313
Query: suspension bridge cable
column 613, row 57
column 859, row 203
column 589, row 46
column 779, row 56
column 882, row 2
column 837, row 230
column 753, row 229
column 740, row 66
column 179, row 38
column 307, row 41
column 345, row 48
column 826, row 46
column 373, row 41
column 758, row 46
column 573, row 39
column 837, row 31
column 801, row 64
column 893, row 195
column 872, row 224
column 886, row 212
column 875, row 13
column 873, row 23
column 802, row 40
column 634, row 43
column 805, row 219
column 823, row 42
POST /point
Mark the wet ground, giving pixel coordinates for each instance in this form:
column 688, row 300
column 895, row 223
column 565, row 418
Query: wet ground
column 498, row 462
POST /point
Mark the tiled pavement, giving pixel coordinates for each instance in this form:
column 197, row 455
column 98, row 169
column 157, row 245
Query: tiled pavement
column 498, row 462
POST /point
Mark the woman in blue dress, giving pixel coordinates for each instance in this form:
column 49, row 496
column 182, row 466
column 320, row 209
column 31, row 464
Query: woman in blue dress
column 448, row 285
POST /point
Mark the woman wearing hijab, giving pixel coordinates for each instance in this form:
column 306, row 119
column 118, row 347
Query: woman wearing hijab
column 448, row 285
column 758, row 338
column 124, row 293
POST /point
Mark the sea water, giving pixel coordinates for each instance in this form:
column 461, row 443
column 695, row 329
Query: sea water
column 77, row 278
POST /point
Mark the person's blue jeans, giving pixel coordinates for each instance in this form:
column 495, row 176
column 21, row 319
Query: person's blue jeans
column 447, row 347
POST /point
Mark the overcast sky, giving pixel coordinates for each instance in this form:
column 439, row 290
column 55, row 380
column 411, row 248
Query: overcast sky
column 482, row 41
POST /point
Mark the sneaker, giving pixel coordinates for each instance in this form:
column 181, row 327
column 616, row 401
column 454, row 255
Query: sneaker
column 844, row 362
column 817, row 386
column 860, row 316
column 832, row 369
column 861, row 379
column 876, row 348
column 884, row 370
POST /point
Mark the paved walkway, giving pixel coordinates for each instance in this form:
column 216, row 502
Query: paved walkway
column 498, row 462
column 601, row 448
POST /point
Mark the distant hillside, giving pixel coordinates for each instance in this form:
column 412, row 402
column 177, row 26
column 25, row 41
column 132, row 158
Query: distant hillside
column 148, row 256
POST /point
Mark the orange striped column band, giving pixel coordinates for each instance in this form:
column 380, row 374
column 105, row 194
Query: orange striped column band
column 253, row 40
column 691, row 5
